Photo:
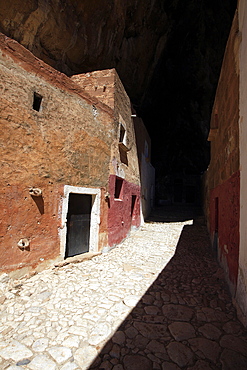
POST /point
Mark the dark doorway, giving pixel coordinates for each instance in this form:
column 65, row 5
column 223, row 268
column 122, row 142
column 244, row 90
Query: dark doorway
column 78, row 224
column 133, row 202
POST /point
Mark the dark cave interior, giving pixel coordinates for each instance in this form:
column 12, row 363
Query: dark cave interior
column 168, row 54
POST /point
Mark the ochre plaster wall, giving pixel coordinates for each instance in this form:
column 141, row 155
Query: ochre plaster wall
column 59, row 143
column 222, row 177
column 106, row 86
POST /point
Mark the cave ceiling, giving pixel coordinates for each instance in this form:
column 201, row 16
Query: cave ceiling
column 168, row 54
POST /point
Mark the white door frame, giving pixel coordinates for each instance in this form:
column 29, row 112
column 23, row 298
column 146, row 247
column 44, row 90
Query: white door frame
column 95, row 216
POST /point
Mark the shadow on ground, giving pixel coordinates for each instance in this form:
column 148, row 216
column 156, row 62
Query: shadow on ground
column 186, row 319
column 174, row 213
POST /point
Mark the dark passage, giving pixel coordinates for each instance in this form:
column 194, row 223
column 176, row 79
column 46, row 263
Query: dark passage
column 78, row 224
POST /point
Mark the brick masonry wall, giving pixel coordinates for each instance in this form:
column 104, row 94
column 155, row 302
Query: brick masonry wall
column 222, row 177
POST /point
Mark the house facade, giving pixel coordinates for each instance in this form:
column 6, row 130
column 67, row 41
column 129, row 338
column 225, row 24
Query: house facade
column 70, row 181
column 226, row 178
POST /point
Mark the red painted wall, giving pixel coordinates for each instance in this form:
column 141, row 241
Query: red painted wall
column 228, row 194
column 122, row 215
column 37, row 219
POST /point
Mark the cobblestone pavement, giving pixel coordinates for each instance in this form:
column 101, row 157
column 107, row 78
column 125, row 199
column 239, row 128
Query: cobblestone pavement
column 157, row 301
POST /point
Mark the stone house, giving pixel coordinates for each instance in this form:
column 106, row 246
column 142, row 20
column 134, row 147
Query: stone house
column 225, row 181
column 102, row 85
column 70, row 181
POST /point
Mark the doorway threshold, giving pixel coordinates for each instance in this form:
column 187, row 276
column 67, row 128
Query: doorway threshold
column 77, row 259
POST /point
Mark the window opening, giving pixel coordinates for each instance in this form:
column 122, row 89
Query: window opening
column 118, row 188
column 122, row 134
column 123, row 156
column 133, row 202
column 37, row 98
column 122, row 145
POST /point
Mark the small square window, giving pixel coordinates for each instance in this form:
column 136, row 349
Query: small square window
column 37, row 99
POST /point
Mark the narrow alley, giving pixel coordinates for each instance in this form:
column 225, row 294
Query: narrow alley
column 156, row 301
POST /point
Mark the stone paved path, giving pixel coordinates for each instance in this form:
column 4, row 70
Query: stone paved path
column 148, row 304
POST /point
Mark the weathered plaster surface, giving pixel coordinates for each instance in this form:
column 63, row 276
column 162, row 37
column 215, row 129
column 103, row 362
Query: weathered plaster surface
column 222, row 178
column 120, row 217
column 228, row 226
column 106, row 86
column 72, row 141
column 241, row 295
column 25, row 217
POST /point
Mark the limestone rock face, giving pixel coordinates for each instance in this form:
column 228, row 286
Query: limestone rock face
column 81, row 36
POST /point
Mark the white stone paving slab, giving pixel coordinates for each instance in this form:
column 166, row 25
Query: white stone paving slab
column 15, row 351
column 41, row 362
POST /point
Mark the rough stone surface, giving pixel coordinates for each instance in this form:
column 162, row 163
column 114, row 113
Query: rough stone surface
column 151, row 331
column 85, row 355
column 232, row 360
column 60, row 354
column 42, row 362
column 119, row 337
column 180, row 354
column 233, row 343
column 177, row 312
column 55, row 333
column 137, row 362
column 210, row 331
column 181, row 330
column 15, row 351
column 205, row 348
column 201, row 365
